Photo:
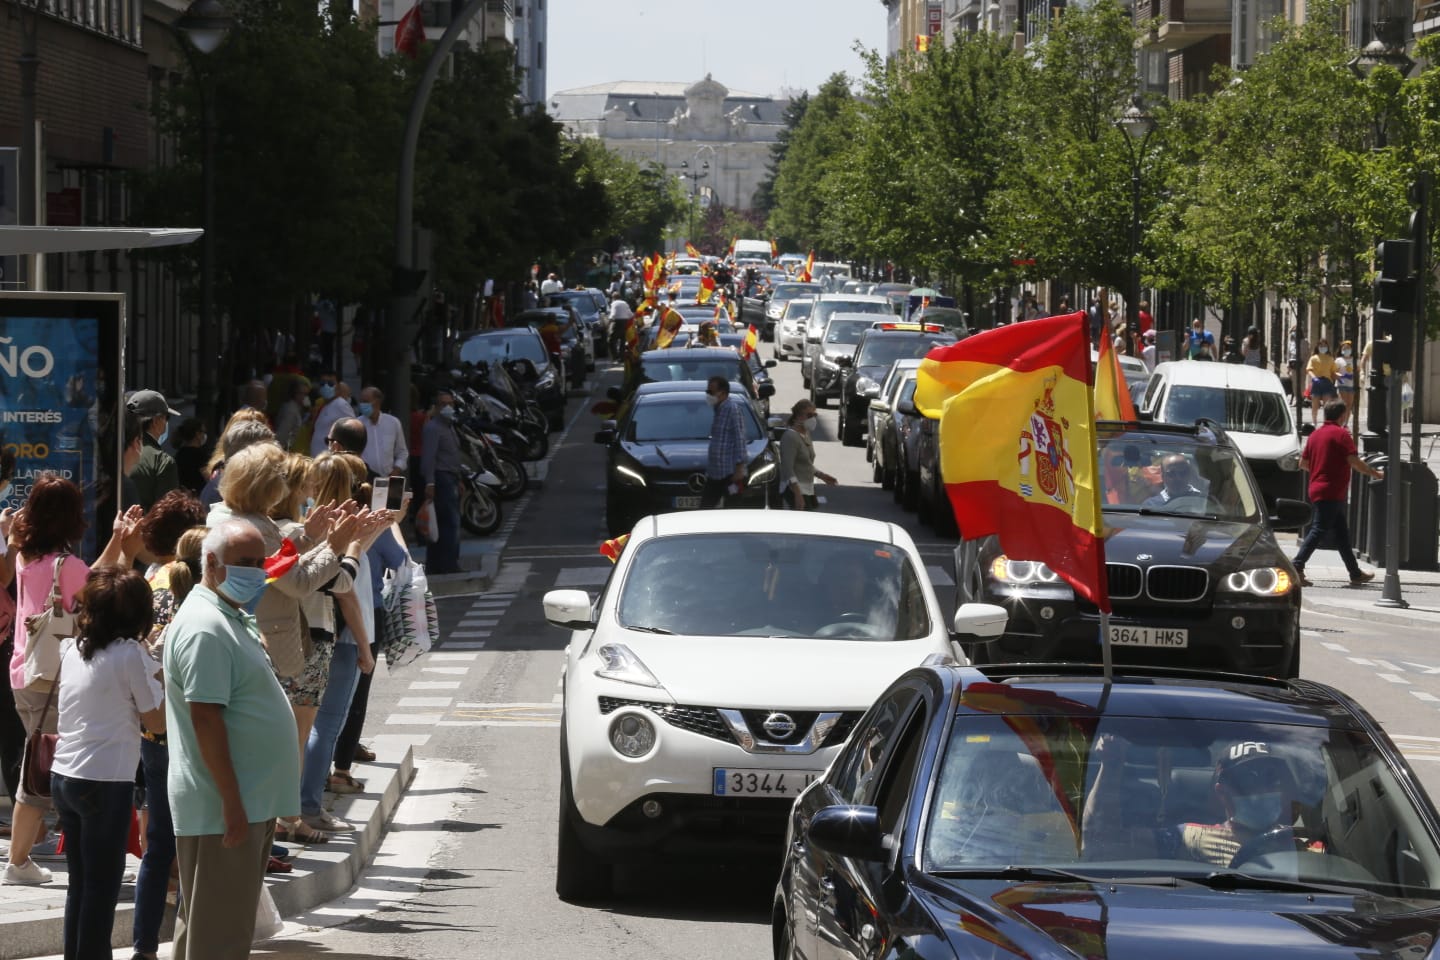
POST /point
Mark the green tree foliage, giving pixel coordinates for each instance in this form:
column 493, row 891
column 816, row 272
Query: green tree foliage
column 764, row 200
column 816, row 145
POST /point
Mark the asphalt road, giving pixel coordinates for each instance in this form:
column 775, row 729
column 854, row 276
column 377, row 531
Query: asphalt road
column 467, row 869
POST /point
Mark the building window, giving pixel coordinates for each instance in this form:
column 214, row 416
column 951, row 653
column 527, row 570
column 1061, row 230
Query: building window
column 540, row 55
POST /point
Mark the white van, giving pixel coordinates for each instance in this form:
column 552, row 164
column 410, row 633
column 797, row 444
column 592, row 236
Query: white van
column 1248, row 402
column 759, row 249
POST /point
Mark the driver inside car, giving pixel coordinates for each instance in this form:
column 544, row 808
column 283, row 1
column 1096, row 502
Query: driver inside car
column 1253, row 787
column 1179, row 478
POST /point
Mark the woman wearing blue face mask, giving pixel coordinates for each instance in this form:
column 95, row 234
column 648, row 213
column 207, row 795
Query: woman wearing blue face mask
column 255, row 482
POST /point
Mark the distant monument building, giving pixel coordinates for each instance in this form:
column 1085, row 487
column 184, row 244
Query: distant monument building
column 670, row 124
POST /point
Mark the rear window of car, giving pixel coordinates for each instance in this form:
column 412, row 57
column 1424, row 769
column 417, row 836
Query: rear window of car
column 700, row 368
column 825, row 308
column 1246, row 411
column 846, row 331
column 882, row 351
column 520, row 345
column 763, row 584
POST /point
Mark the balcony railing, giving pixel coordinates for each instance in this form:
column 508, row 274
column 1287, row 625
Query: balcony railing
column 1180, row 23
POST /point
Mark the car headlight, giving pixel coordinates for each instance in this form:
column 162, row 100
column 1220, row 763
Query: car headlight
column 1005, row 570
column 866, row 387
column 618, row 662
column 764, row 473
column 629, row 475
column 1291, row 461
column 547, row 379
column 632, row 735
column 1261, row 581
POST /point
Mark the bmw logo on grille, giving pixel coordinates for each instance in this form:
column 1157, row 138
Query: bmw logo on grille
column 779, row 725
column 696, row 483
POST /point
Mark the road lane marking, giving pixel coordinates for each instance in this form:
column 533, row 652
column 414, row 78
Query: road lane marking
column 466, row 635
column 1393, row 678
column 472, row 624
column 413, row 719
column 435, row 685
column 499, row 723
column 1361, row 661
column 407, row 739
column 515, row 705
column 465, row 645
column 1428, row 671
column 452, row 671
column 453, row 656
column 938, row 576
column 1422, row 695
column 423, row 702
column 1337, row 647
column 1387, row 665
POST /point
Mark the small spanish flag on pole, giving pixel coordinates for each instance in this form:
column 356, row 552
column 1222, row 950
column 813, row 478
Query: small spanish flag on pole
column 690, row 249
column 750, row 344
column 1112, row 395
column 1017, row 446
column 805, row 276
column 774, row 251
column 707, row 289
column 730, row 253
column 611, row 549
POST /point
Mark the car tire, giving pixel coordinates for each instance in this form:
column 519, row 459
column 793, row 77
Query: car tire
column 784, row 939
column 876, row 474
column 897, row 487
column 580, row 876
column 815, row 397
column 852, row 434
column 910, row 495
column 804, row 377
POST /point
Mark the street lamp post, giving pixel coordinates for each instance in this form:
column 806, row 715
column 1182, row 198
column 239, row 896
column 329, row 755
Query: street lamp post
column 694, row 176
column 1138, row 125
column 205, row 25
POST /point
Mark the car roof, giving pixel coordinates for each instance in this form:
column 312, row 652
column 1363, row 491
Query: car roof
column 778, row 521
column 854, row 298
column 1108, row 429
column 1209, row 373
column 690, row 353
column 682, row 386
column 1156, row 692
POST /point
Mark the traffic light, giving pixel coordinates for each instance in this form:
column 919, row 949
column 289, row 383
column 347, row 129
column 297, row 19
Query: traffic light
column 1395, row 297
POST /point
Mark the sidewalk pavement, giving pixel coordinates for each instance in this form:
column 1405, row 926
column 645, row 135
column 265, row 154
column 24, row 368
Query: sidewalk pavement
column 32, row 918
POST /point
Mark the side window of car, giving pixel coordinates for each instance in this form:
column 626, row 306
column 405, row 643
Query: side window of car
column 860, row 765
column 1152, row 393
column 892, row 789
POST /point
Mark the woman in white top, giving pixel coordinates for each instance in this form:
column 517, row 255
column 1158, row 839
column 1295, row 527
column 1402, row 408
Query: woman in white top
column 797, row 459
column 108, row 688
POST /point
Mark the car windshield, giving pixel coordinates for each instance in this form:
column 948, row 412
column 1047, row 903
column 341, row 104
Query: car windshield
column 761, row 584
column 798, row 309
column 681, row 418
column 789, row 291
column 1156, row 473
column 883, row 351
column 519, row 345
column 1032, row 778
column 581, row 301
column 1246, row 411
column 686, row 368
column 951, row 318
column 846, row 331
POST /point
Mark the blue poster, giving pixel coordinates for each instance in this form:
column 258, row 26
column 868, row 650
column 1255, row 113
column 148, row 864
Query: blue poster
column 50, row 379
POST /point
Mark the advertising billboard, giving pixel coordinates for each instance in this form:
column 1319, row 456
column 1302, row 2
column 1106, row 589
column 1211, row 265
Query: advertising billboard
column 61, row 368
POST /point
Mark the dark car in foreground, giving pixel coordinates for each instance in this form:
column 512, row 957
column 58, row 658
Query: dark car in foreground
column 1196, row 576
column 522, row 343
column 1039, row 811
column 657, row 451
column 878, row 349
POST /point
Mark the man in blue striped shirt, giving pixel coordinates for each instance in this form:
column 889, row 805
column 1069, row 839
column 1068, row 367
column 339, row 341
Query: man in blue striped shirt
column 725, row 470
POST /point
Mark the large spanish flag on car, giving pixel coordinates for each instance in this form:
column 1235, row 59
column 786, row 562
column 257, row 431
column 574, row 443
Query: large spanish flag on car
column 670, row 323
column 1017, row 443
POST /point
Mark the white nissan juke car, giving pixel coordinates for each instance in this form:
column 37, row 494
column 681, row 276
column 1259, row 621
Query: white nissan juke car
column 720, row 670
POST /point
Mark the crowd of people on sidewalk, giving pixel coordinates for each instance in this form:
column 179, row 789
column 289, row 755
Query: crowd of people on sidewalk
column 211, row 669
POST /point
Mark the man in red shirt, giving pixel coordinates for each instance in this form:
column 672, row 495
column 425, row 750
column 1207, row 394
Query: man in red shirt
column 1329, row 457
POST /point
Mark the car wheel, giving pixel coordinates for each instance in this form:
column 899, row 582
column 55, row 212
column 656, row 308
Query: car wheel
column 851, row 432
column 910, row 496
column 897, row 487
column 804, row 377
column 875, row 472
column 815, row 396
column 579, row 875
column 784, row 939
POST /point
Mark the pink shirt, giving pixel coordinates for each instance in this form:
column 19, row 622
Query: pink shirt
column 32, row 589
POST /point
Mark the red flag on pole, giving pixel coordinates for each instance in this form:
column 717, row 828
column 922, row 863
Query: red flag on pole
column 410, row 33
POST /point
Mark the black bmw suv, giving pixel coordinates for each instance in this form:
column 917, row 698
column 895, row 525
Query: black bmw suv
column 878, row 349
column 1196, row 577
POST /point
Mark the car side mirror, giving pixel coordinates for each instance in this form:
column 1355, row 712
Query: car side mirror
column 569, row 609
column 766, row 391
column 907, row 407
column 771, row 363
column 985, row 621
column 846, row 831
column 1290, row 514
column 615, row 393
column 606, row 433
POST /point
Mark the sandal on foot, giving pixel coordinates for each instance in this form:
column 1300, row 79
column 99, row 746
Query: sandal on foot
column 298, row 831
column 342, row 782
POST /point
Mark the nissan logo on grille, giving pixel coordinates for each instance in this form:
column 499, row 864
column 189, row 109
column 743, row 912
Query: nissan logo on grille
column 696, row 483
column 779, row 725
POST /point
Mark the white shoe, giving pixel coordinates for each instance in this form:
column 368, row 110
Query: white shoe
column 30, row 875
column 327, row 821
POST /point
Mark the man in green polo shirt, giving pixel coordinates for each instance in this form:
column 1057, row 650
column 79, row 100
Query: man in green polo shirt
column 234, row 763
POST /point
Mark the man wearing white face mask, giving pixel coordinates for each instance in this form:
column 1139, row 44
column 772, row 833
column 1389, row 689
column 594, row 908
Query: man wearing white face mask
column 335, row 405
column 440, row 471
column 234, row 758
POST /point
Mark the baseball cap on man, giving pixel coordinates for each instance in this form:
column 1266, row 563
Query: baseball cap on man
column 148, row 404
column 1249, row 762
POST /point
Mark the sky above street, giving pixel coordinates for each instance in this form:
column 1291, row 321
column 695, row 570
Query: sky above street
column 758, row 46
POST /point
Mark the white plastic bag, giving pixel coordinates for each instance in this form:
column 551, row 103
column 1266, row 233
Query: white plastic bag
column 411, row 623
column 425, row 524
column 268, row 922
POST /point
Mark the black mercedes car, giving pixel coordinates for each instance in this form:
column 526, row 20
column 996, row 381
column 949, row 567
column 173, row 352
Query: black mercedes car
column 879, row 347
column 1041, row 811
column 656, row 453
column 1196, row 576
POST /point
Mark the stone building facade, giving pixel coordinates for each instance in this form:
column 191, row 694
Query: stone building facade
column 671, row 124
